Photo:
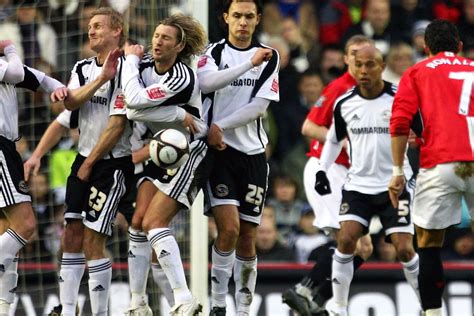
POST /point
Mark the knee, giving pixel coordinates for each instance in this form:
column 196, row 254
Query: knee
column 137, row 223
column 364, row 249
column 28, row 228
column 93, row 246
column 346, row 244
column 228, row 235
column 73, row 236
column 405, row 252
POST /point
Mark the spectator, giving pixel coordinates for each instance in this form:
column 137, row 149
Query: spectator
column 292, row 35
column 376, row 25
column 269, row 247
column 400, row 57
column 466, row 25
column 334, row 20
column 418, row 39
column 332, row 63
column 459, row 244
column 449, row 10
column 406, row 13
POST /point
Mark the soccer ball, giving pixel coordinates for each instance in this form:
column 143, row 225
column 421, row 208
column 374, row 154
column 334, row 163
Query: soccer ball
column 169, row 149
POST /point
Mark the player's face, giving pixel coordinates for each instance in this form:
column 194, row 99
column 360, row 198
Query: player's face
column 165, row 45
column 349, row 59
column 368, row 69
column 101, row 34
column 242, row 19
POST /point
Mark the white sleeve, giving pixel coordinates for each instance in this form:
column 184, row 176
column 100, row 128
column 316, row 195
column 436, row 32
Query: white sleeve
column 331, row 150
column 11, row 70
column 212, row 79
column 245, row 114
column 64, row 118
column 137, row 96
column 157, row 114
column 49, row 84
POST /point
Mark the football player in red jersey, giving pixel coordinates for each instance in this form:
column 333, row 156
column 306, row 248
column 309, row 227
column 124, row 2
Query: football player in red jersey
column 440, row 88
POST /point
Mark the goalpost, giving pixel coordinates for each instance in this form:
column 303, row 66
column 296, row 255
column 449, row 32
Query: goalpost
column 59, row 39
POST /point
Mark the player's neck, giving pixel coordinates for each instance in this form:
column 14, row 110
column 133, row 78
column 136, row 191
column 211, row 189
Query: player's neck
column 240, row 43
column 162, row 66
column 103, row 53
column 372, row 92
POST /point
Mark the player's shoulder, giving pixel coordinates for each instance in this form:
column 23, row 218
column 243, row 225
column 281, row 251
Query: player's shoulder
column 86, row 61
column 219, row 45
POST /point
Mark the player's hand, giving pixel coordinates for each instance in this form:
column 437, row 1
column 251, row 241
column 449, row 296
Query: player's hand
column 395, row 188
column 261, row 55
column 109, row 69
column 322, row 185
column 189, row 123
column 59, row 94
column 5, row 43
column 84, row 172
column 32, row 165
column 137, row 50
column 215, row 137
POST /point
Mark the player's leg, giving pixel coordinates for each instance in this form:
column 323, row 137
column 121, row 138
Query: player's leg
column 159, row 276
column 10, row 277
column 139, row 252
column 409, row 259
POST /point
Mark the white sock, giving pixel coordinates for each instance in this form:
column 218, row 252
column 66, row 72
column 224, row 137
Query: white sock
column 8, row 282
column 245, row 278
column 159, row 276
column 10, row 244
column 433, row 312
column 139, row 256
column 167, row 251
column 342, row 273
column 221, row 271
column 4, row 308
column 411, row 270
column 70, row 276
column 100, row 277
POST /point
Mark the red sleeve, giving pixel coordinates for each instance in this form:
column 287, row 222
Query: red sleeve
column 405, row 105
column 321, row 112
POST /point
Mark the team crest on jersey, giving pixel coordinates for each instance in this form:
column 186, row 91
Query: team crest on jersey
column 23, row 187
column 119, row 102
column 319, row 102
column 155, row 93
column 275, row 85
column 202, row 61
column 386, row 115
column 222, row 190
column 344, row 208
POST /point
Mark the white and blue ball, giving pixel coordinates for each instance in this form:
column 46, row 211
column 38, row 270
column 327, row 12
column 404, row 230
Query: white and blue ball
column 169, row 149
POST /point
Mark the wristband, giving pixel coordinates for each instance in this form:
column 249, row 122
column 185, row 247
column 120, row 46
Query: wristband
column 397, row 171
column 10, row 49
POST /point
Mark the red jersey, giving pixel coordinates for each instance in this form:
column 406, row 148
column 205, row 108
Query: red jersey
column 322, row 113
column 441, row 88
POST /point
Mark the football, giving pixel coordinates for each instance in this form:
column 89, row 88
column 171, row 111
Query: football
column 169, row 149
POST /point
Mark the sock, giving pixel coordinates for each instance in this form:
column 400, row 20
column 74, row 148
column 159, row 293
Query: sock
column 70, row 276
column 100, row 278
column 167, row 251
column 139, row 256
column 321, row 271
column 221, row 271
column 4, row 308
column 411, row 271
column 342, row 273
column 159, row 276
column 245, row 278
column 10, row 243
column 431, row 277
column 9, row 281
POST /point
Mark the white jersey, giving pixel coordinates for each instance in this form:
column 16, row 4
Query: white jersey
column 365, row 122
column 94, row 114
column 261, row 82
column 8, row 98
column 160, row 100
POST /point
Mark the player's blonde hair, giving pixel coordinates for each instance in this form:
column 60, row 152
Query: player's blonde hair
column 190, row 32
column 115, row 21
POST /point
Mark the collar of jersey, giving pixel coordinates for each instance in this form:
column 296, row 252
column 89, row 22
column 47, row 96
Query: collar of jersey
column 253, row 44
column 386, row 88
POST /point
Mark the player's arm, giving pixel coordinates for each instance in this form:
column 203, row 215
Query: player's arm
column 212, row 79
column 332, row 148
column 404, row 108
column 142, row 154
column 107, row 141
column 314, row 131
column 11, row 71
column 77, row 97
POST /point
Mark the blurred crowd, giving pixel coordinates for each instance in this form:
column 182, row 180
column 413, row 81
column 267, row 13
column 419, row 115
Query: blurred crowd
column 308, row 34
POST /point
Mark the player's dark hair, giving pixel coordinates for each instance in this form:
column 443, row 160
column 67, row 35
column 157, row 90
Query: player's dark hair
column 442, row 36
column 190, row 32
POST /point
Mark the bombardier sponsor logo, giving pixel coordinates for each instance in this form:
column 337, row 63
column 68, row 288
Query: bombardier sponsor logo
column 99, row 100
column 370, row 130
column 244, row 82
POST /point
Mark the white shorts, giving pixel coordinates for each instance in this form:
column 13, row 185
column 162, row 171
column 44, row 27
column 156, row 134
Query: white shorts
column 438, row 196
column 326, row 208
column 185, row 184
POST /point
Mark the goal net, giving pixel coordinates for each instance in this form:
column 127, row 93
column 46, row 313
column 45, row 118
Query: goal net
column 51, row 35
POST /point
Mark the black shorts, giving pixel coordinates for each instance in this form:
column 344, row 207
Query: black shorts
column 98, row 200
column 241, row 180
column 360, row 207
column 13, row 188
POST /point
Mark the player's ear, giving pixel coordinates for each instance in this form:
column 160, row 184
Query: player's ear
column 225, row 16
column 259, row 16
column 460, row 46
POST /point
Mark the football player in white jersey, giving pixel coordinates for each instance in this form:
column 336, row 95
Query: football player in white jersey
column 17, row 223
column 238, row 77
column 103, row 169
column 162, row 91
column 362, row 115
